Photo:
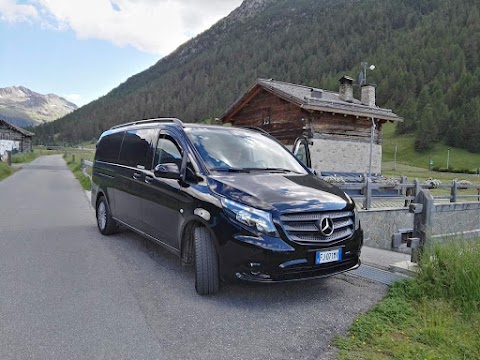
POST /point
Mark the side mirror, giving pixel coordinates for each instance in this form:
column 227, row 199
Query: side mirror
column 167, row 171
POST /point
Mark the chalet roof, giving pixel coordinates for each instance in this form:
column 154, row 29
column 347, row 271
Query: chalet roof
column 313, row 99
column 16, row 128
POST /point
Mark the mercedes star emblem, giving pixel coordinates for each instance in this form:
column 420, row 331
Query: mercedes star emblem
column 326, row 226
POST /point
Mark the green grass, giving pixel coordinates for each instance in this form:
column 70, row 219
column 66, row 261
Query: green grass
column 435, row 316
column 406, row 154
column 5, row 170
column 75, row 166
column 28, row 157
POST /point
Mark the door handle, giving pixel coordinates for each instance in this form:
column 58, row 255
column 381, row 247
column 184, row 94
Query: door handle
column 136, row 175
column 148, row 179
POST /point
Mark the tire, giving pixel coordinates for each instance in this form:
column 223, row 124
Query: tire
column 105, row 223
column 207, row 279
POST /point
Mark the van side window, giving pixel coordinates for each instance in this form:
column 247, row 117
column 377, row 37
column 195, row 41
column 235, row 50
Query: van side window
column 167, row 151
column 109, row 146
column 135, row 148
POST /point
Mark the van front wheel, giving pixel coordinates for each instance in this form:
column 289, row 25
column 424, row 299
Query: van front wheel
column 207, row 279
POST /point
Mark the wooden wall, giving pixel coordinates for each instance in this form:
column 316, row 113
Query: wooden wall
column 8, row 134
column 287, row 120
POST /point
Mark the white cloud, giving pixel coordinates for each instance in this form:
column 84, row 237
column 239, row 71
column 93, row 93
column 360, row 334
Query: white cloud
column 155, row 26
column 10, row 11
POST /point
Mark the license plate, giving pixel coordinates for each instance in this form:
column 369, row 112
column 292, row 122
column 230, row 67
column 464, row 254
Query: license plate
column 329, row 256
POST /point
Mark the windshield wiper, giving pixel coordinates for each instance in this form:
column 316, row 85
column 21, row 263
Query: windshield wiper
column 271, row 169
column 229, row 169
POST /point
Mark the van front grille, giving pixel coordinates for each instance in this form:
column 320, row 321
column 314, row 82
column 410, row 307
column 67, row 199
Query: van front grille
column 304, row 228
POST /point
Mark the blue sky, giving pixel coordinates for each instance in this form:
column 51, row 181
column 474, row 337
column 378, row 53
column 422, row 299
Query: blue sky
column 82, row 49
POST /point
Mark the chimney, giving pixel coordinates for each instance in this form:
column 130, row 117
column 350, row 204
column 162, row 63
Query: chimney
column 368, row 95
column 346, row 89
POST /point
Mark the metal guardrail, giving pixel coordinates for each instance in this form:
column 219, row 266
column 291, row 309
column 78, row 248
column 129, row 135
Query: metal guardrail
column 84, row 165
column 406, row 192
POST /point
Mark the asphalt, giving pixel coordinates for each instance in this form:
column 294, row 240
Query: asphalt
column 69, row 293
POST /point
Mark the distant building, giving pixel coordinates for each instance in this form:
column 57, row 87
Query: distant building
column 336, row 127
column 14, row 139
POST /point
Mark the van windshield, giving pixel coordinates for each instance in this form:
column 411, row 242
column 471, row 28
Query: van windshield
column 239, row 150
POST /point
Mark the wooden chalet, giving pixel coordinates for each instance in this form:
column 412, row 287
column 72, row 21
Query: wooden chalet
column 341, row 124
column 15, row 138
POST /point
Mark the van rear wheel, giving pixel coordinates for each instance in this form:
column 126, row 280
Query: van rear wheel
column 207, row 279
column 106, row 224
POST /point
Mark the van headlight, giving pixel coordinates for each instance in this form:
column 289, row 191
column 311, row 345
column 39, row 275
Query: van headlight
column 255, row 219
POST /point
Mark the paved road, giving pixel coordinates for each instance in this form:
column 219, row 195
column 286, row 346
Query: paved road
column 66, row 292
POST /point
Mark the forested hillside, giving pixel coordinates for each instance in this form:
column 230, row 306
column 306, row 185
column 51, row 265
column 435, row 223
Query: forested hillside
column 425, row 51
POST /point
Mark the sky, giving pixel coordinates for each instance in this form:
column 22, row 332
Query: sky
column 82, row 49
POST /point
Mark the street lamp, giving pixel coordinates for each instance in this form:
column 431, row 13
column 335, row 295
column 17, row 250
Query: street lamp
column 363, row 76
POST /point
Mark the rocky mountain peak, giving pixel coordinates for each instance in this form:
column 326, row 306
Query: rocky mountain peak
column 249, row 8
column 24, row 107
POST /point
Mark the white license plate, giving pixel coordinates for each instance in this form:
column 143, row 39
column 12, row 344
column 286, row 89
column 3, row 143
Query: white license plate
column 329, row 256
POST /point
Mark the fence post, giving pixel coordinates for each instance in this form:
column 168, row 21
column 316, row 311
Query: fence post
column 453, row 192
column 423, row 218
column 73, row 158
column 403, row 180
column 367, row 190
column 418, row 188
column 9, row 158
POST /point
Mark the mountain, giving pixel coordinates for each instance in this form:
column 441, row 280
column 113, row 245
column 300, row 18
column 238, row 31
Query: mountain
column 426, row 54
column 23, row 107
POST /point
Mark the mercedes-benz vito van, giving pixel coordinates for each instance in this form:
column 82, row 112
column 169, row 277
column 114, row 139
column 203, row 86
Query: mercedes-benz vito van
column 233, row 202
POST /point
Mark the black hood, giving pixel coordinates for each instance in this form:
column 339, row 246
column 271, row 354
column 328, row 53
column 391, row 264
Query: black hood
column 280, row 192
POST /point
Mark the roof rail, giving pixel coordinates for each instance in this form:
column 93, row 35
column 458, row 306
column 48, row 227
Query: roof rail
column 159, row 120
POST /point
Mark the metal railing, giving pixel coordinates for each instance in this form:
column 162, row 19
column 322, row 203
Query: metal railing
column 406, row 192
column 370, row 191
column 86, row 164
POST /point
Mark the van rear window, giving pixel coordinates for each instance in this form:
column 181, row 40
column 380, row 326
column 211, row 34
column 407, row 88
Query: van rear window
column 136, row 148
column 109, row 147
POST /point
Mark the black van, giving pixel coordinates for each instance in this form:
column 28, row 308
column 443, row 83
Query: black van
column 233, row 202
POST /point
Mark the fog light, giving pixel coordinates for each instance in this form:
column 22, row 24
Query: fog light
column 255, row 268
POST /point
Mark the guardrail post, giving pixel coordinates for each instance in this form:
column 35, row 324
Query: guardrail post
column 367, row 190
column 9, row 158
column 418, row 188
column 453, row 192
column 403, row 180
column 423, row 208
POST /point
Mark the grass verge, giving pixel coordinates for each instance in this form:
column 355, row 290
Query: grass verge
column 5, row 170
column 74, row 163
column 435, row 316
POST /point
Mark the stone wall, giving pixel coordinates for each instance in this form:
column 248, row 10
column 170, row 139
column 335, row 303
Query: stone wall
column 345, row 156
column 457, row 219
column 380, row 224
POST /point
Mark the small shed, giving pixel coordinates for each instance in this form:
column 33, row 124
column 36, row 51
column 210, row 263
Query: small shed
column 15, row 139
column 338, row 126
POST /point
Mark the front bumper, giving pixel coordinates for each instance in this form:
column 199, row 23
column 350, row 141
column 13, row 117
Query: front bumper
column 288, row 262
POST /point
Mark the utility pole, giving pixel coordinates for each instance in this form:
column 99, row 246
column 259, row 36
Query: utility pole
column 448, row 158
column 371, row 148
column 395, row 158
